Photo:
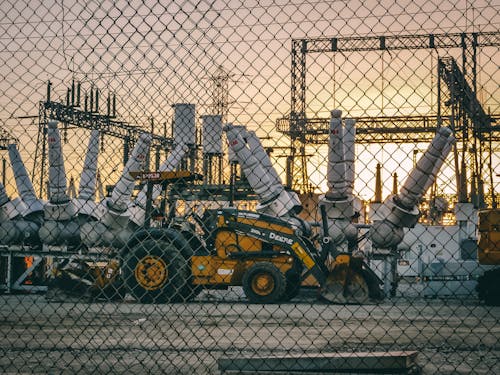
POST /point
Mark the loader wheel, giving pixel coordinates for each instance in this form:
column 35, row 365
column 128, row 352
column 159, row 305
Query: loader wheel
column 155, row 271
column 293, row 281
column 488, row 287
column 264, row 283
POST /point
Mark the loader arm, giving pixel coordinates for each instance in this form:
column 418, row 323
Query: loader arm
column 275, row 231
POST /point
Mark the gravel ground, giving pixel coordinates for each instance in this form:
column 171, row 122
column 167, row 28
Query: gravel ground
column 37, row 336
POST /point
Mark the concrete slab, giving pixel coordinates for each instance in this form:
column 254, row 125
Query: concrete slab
column 393, row 362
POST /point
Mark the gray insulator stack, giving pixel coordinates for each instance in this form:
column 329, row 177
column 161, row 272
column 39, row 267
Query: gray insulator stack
column 114, row 228
column 57, row 174
column 265, row 186
column 23, row 183
column 261, row 175
column 59, row 227
column 424, row 173
column 59, row 206
column 62, row 230
column 336, row 170
column 339, row 201
column 122, row 192
column 86, row 190
column 21, row 217
column 349, row 152
column 287, row 201
column 402, row 209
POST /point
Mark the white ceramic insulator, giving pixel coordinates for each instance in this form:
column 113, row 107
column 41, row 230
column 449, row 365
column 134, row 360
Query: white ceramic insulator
column 258, row 151
column 336, row 168
column 212, row 134
column 170, row 164
column 232, row 157
column 23, row 182
column 264, row 185
column 125, row 185
column 349, row 152
column 184, row 124
column 413, row 188
column 439, row 163
column 57, row 173
column 87, row 187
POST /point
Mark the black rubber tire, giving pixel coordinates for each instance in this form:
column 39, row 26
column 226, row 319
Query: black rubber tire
column 293, row 282
column 274, row 276
column 488, row 287
column 175, row 286
column 375, row 291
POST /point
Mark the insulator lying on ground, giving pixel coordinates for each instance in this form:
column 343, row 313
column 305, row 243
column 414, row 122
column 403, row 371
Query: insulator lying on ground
column 402, row 210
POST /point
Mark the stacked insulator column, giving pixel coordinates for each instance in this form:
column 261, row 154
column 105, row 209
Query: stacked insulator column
column 340, row 204
column 402, row 210
column 261, row 175
column 114, row 227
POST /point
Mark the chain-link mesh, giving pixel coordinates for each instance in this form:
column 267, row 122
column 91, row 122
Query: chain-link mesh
column 249, row 187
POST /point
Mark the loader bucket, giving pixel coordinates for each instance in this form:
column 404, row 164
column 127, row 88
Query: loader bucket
column 350, row 281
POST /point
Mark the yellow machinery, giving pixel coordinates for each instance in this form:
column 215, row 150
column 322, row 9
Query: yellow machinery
column 268, row 256
column 489, row 254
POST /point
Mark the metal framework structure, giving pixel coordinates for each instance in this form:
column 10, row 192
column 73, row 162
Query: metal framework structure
column 458, row 105
column 106, row 124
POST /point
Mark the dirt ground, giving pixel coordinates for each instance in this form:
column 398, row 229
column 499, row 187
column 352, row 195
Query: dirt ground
column 37, row 336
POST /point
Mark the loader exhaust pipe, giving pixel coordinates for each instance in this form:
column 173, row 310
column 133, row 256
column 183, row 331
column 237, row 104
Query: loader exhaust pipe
column 138, row 209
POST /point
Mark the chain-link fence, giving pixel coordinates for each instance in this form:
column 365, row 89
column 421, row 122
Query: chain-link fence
column 250, row 187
